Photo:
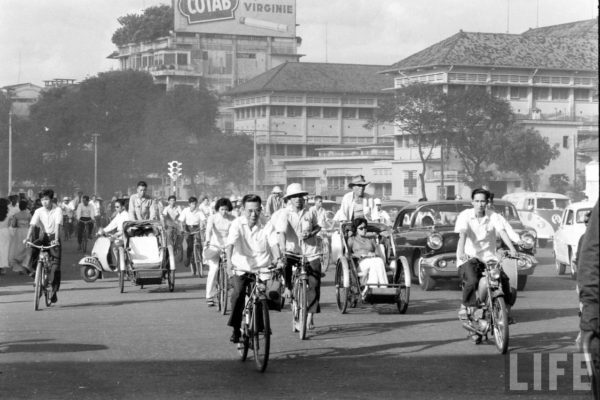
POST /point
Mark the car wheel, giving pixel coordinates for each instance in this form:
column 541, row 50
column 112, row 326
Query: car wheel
column 521, row 282
column 426, row 282
column 560, row 267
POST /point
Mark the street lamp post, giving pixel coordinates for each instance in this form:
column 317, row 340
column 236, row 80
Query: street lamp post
column 95, row 137
column 9, row 153
column 254, row 158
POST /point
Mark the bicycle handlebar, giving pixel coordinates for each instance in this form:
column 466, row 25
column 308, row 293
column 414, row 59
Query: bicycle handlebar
column 41, row 247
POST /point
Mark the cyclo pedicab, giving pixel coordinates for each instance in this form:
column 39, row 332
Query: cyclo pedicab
column 149, row 258
column 349, row 288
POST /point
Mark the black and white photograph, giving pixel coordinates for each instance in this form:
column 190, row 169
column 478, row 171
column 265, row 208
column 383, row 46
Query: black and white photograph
column 299, row 199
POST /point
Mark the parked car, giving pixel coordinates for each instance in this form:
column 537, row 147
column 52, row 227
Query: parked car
column 393, row 207
column 527, row 262
column 540, row 211
column 567, row 236
column 424, row 235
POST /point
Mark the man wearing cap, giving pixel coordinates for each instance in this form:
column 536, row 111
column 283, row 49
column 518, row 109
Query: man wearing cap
column 296, row 229
column 356, row 203
column 274, row 201
column 379, row 215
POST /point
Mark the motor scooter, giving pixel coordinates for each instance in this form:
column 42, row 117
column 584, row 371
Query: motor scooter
column 104, row 258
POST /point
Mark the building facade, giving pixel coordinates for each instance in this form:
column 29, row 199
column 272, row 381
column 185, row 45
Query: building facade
column 548, row 75
column 308, row 121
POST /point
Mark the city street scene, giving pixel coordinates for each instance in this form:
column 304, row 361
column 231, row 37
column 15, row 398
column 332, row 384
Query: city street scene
column 299, row 199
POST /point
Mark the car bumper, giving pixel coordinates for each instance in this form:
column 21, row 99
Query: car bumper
column 434, row 268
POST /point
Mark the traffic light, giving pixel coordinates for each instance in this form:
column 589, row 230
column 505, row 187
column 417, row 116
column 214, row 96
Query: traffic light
column 174, row 169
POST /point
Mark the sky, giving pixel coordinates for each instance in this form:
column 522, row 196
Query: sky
column 46, row 39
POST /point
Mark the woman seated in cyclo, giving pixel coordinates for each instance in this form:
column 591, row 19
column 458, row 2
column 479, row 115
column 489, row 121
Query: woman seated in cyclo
column 371, row 267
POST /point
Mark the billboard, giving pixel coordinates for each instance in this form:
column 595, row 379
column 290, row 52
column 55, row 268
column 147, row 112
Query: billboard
column 236, row 17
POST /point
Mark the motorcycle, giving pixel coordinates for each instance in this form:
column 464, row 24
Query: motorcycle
column 491, row 314
column 108, row 255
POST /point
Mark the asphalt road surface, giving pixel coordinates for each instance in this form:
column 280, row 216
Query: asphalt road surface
column 97, row 343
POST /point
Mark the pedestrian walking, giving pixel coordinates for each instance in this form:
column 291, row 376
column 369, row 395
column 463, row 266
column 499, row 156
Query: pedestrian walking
column 4, row 236
column 18, row 253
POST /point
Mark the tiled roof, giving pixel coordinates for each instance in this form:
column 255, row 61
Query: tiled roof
column 587, row 29
column 317, row 77
column 551, row 51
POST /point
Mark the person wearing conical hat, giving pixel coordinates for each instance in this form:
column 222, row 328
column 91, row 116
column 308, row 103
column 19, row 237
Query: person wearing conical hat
column 356, row 203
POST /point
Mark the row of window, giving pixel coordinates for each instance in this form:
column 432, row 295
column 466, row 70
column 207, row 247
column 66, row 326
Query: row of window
column 539, row 93
column 298, row 111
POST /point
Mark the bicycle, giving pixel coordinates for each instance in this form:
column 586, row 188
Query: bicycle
column 42, row 284
column 197, row 266
column 67, row 227
column 299, row 288
column 256, row 328
column 222, row 281
column 86, row 234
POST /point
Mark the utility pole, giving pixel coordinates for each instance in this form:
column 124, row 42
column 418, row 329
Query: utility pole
column 254, row 159
column 95, row 137
column 9, row 153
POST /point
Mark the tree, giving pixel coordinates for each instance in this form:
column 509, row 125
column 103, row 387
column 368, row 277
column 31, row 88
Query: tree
column 418, row 110
column 525, row 152
column 559, row 182
column 152, row 23
column 476, row 122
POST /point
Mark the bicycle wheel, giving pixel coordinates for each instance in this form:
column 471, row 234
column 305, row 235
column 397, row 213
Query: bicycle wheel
column 261, row 334
column 121, row 269
column 38, row 286
column 403, row 292
column 302, row 309
column 178, row 247
column 500, row 324
column 244, row 343
column 341, row 293
column 223, row 289
column 197, row 260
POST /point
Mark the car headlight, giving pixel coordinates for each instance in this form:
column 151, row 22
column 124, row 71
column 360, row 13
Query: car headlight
column 528, row 241
column 435, row 241
column 442, row 264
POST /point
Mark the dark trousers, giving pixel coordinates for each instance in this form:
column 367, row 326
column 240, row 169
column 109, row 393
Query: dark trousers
column 81, row 226
column 313, row 291
column 189, row 240
column 470, row 273
column 240, row 284
column 55, row 256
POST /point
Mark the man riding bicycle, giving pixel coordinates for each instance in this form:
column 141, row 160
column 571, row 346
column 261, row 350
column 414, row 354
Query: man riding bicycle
column 170, row 214
column 251, row 247
column 478, row 229
column 49, row 219
column 297, row 228
column 68, row 214
column 193, row 221
column 85, row 215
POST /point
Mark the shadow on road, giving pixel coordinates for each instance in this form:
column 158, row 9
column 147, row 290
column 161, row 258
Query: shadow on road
column 46, row 346
column 549, row 283
column 543, row 342
column 541, row 314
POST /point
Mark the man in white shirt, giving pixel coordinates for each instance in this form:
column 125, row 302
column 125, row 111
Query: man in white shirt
column 85, row 214
column 49, row 219
column 193, row 221
column 205, row 207
column 379, row 215
column 297, row 228
column 356, row 203
column 141, row 205
column 251, row 247
column 170, row 215
column 122, row 215
column 478, row 231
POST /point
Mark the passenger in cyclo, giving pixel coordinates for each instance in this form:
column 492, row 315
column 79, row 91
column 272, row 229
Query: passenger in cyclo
column 217, row 230
column 116, row 225
column 251, row 247
column 371, row 265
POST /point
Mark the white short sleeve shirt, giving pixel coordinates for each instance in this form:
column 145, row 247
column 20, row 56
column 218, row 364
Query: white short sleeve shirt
column 481, row 233
column 47, row 220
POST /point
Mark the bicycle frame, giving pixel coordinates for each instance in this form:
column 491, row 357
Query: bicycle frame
column 42, row 272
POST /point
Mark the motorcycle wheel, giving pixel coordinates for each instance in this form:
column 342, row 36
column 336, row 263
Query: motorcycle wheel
column 500, row 324
column 89, row 273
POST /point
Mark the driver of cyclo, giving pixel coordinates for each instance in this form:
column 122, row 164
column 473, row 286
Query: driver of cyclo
column 478, row 228
column 116, row 225
column 251, row 247
column 296, row 229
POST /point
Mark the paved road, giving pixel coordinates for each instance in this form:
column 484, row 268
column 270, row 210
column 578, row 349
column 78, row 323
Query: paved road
column 96, row 343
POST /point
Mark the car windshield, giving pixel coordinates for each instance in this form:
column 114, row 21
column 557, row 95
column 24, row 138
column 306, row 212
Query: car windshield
column 438, row 215
column 580, row 216
column 507, row 210
column 552, row 204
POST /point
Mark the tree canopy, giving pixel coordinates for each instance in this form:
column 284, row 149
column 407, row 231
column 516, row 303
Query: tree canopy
column 141, row 128
column 152, row 23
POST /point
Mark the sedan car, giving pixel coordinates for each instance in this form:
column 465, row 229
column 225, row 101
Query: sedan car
column 424, row 235
column 566, row 237
column 393, row 207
